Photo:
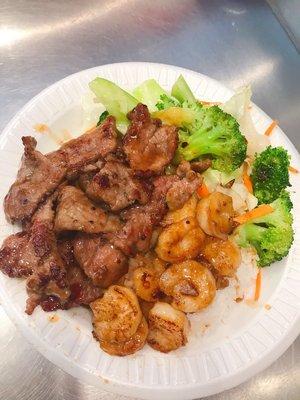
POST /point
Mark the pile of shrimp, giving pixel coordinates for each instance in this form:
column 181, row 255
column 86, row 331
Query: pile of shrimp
column 193, row 258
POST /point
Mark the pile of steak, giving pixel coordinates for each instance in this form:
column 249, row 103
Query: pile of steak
column 89, row 206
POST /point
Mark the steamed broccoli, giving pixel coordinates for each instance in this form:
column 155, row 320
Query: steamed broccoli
column 166, row 102
column 214, row 134
column 271, row 235
column 102, row 117
column 270, row 174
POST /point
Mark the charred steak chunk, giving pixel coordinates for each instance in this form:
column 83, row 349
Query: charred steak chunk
column 136, row 235
column 33, row 254
column 20, row 254
column 100, row 260
column 82, row 289
column 87, row 173
column 15, row 260
column 38, row 176
column 149, row 145
column 75, row 212
column 183, row 189
column 89, row 147
column 116, row 185
column 47, row 285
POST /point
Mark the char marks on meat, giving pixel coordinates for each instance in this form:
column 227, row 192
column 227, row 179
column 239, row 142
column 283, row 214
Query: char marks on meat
column 89, row 147
column 34, row 254
column 47, row 285
column 75, row 212
column 87, row 173
column 182, row 189
column 149, row 145
column 82, row 289
column 14, row 258
column 20, row 253
column 136, row 235
column 38, row 176
column 100, row 260
column 117, row 186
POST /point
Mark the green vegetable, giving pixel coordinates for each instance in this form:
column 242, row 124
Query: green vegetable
column 214, row 134
column 116, row 100
column 102, row 117
column 182, row 92
column 149, row 93
column 166, row 102
column 271, row 235
column 270, row 174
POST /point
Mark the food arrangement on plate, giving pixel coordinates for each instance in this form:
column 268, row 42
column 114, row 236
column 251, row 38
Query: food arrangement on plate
column 145, row 216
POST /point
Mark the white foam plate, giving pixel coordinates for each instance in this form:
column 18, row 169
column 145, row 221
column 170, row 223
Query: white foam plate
column 230, row 342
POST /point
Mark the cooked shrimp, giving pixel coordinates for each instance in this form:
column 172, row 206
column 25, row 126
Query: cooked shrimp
column 117, row 314
column 135, row 343
column 146, row 307
column 187, row 211
column 215, row 215
column 191, row 285
column 168, row 328
column 146, row 280
column 223, row 255
column 180, row 241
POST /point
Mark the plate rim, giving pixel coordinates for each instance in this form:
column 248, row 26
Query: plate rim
column 186, row 391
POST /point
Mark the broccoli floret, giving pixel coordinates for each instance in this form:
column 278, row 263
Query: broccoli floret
column 102, row 117
column 215, row 134
column 270, row 174
column 271, row 235
column 166, row 102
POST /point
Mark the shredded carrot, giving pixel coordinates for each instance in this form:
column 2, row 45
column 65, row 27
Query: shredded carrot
column 247, row 180
column 257, row 286
column 293, row 170
column 259, row 211
column 203, row 191
column 270, row 129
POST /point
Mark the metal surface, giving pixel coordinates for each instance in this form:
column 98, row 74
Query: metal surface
column 235, row 42
column 287, row 13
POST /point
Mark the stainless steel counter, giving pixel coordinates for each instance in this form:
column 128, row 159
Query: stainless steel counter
column 235, row 42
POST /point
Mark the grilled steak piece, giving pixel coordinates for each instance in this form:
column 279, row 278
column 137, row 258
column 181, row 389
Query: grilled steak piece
column 18, row 256
column 101, row 261
column 87, row 173
column 90, row 147
column 34, row 254
column 116, row 185
column 141, row 220
column 75, row 212
column 82, row 289
column 15, row 259
column 149, row 145
column 39, row 174
column 47, row 285
column 182, row 189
